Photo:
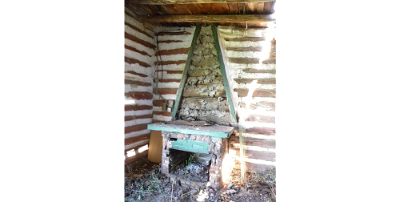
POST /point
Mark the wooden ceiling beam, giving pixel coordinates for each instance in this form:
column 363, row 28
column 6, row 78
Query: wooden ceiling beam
column 208, row 18
column 165, row 2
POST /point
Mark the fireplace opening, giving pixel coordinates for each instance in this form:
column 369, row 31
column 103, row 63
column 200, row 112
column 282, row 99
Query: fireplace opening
column 190, row 166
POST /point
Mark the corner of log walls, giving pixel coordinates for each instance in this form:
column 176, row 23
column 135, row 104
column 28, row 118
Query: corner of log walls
column 139, row 67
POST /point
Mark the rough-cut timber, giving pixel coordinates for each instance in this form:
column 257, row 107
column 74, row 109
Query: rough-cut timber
column 165, row 2
column 242, row 92
column 172, row 33
column 245, row 49
column 244, row 60
column 170, row 62
column 259, row 81
column 165, row 91
column 246, row 39
column 140, row 41
column 133, row 61
column 250, row 70
column 136, row 139
column 208, row 18
column 173, row 51
column 139, row 95
column 139, row 83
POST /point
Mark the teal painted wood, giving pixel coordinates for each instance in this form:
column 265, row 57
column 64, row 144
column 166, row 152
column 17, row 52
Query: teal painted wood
column 189, row 145
column 223, row 72
column 184, row 74
column 195, row 130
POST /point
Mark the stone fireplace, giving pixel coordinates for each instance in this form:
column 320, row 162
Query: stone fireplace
column 207, row 146
column 197, row 136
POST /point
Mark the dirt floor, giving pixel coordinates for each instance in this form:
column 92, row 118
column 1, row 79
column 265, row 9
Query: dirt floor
column 144, row 182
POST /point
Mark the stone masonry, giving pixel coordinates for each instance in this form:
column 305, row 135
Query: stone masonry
column 215, row 146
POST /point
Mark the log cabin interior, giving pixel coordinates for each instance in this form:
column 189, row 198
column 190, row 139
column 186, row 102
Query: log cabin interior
column 200, row 80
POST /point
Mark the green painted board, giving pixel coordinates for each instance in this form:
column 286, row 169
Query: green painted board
column 223, row 72
column 213, row 131
column 184, row 74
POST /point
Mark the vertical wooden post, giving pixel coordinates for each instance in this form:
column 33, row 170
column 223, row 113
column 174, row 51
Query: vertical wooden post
column 184, row 74
column 242, row 163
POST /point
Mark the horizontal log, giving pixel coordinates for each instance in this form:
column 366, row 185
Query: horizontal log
column 136, row 139
column 170, row 62
column 172, row 33
column 136, row 50
column 137, row 107
column 139, row 83
column 260, row 118
column 245, row 49
column 174, row 51
column 170, row 80
column 171, row 71
column 162, row 113
column 137, row 29
column 259, row 81
column 139, row 95
column 135, row 128
column 208, row 18
column 197, row 93
column 158, row 103
column 244, row 60
column 259, row 168
column 269, row 61
column 242, row 92
column 259, row 104
column 166, row 2
column 170, row 41
column 251, row 70
column 261, row 130
column 246, row 39
column 135, row 73
column 164, row 91
column 133, row 61
column 264, row 143
column 130, row 118
column 140, row 41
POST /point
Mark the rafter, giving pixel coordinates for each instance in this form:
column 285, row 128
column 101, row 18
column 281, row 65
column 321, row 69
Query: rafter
column 208, row 18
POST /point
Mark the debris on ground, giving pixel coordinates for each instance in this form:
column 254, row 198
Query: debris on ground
column 144, row 182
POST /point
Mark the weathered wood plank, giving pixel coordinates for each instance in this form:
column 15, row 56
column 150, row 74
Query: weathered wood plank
column 140, row 41
column 269, row 61
column 259, row 155
column 263, row 104
column 137, row 107
column 170, row 62
column 242, row 92
column 136, row 139
column 139, row 95
column 184, row 73
column 164, row 91
column 208, row 18
column 165, row 2
column 173, row 51
column 252, row 70
column 130, row 118
column 170, row 41
column 244, row 49
column 245, row 39
column 260, row 118
column 171, row 71
column 133, row 72
column 135, row 128
column 139, row 83
column 244, row 60
column 136, row 50
column 172, row 33
column 259, row 81
column 137, row 29
column 133, row 61
column 261, row 130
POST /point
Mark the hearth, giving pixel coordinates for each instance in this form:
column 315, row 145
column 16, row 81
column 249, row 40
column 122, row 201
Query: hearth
column 203, row 147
